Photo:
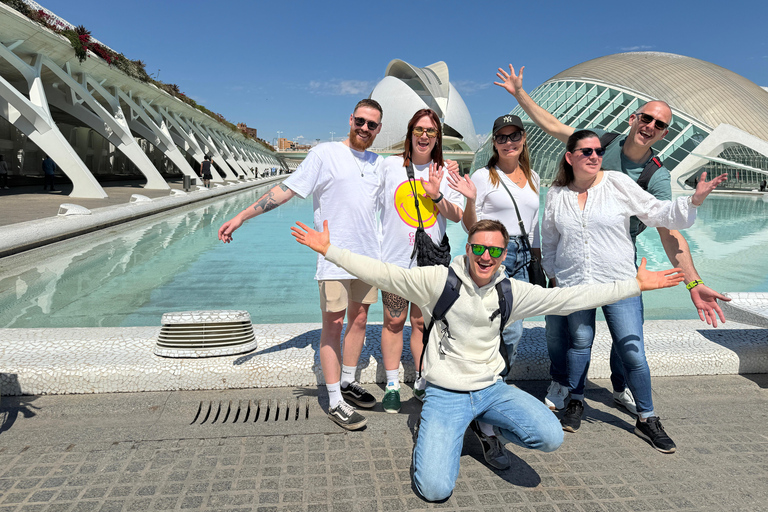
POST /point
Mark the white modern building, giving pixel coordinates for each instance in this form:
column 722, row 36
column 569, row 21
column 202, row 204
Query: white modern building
column 406, row 89
column 97, row 122
column 720, row 119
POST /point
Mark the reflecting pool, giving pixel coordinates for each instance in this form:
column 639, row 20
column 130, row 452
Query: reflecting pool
column 130, row 275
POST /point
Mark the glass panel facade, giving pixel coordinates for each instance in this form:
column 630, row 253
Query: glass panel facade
column 587, row 105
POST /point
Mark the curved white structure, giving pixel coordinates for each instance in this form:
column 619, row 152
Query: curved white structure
column 53, row 104
column 406, row 89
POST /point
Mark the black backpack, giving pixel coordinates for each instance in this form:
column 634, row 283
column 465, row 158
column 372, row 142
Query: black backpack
column 450, row 295
column 653, row 165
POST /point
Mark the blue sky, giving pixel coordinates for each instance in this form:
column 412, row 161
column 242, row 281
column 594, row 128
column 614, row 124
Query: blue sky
column 299, row 67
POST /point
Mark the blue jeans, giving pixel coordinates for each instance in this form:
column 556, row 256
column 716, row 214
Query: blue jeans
column 516, row 263
column 569, row 342
column 445, row 416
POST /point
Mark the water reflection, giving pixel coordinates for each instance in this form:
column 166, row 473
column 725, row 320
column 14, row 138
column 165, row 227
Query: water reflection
column 131, row 277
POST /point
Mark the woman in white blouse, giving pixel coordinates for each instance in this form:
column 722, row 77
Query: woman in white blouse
column 585, row 239
column 508, row 174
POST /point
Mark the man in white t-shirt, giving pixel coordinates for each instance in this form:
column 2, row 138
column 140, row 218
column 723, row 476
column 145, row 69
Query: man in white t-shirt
column 343, row 180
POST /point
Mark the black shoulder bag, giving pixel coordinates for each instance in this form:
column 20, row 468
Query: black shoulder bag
column 426, row 251
column 535, row 272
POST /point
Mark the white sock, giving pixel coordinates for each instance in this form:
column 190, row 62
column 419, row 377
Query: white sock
column 393, row 379
column 348, row 375
column 486, row 428
column 334, row 394
column 420, row 384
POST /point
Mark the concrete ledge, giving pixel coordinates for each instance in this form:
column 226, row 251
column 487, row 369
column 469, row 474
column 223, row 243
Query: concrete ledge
column 23, row 236
column 121, row 359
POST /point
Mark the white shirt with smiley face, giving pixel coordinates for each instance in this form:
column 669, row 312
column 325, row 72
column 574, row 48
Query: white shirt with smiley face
column 398, row 211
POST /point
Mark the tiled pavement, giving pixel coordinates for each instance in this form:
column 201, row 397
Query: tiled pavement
column 156, row 451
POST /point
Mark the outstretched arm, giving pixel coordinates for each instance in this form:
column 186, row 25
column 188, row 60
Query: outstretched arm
column 703, row 297
column 277, row 195
column 514, row 85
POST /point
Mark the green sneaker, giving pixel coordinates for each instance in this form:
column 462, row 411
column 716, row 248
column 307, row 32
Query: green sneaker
column 419, row 393
column 391, row 401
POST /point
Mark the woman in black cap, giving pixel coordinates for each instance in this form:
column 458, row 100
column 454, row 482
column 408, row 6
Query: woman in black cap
column 505, row 186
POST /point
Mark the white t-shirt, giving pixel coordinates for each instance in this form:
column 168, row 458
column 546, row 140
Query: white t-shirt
column 494, row 203
column 344, row 185
column 398, row 211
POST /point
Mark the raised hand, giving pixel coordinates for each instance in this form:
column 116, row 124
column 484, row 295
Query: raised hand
column 317, row 241
column 462, row 184
column 432, row 187
column 510, row 81
column 648, row 280
column 704, row 187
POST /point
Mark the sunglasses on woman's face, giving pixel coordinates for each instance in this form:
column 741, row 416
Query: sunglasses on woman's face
column 493, row 252
column 419, row 131
column 588, row 151
column 501, row 138
column 360, row 121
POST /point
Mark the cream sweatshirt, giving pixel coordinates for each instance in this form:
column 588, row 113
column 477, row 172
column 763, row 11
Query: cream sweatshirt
column 466, row 357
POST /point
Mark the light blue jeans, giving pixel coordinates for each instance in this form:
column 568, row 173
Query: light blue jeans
column 445, row 416
column 569, row 342
column 516, row 263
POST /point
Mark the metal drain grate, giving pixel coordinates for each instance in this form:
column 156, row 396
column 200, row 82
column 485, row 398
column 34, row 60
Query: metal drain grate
column 217, row 412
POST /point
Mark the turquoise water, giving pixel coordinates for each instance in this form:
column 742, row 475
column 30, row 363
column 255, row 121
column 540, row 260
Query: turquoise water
column 130, row 276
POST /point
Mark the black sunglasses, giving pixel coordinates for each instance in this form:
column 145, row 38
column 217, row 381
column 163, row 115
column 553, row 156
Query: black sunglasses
column 647, row 119
column 588, row 151
column 359, row 121
column 479, row 249
column 501, row 138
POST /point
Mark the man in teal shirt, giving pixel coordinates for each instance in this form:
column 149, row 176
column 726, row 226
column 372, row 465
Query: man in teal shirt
column 629, row 154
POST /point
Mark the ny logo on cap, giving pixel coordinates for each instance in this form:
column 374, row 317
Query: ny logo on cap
column 507, row 119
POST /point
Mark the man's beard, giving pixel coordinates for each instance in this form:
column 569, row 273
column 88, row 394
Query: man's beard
column 357, row 144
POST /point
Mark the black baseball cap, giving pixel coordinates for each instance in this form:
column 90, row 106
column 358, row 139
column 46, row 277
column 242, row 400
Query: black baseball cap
column 507, row 120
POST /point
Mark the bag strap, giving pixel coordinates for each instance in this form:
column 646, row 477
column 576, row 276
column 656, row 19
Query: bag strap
column 607, row 138
column 653, row 165
column 517, row 211
column 412, row 183
column 448, row 297
column 504, row 291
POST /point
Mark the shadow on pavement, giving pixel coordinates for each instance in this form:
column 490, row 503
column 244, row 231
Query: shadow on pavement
column 12, row 406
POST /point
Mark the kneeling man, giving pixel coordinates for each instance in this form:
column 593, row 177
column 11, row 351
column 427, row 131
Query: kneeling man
column 462, row 363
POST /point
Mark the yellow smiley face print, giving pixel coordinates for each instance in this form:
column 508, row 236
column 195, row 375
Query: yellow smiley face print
column 406, row 206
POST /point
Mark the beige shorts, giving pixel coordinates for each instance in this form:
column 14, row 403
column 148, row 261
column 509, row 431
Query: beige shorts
column 336, row 295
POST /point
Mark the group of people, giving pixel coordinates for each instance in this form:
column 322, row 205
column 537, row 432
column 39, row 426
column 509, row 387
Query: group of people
column 593, row 212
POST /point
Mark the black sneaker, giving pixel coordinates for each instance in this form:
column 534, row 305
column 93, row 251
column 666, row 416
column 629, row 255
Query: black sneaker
column 494, row 452
column 346, row 417
column 652, row 431
column 357, row 394
column 571, row 420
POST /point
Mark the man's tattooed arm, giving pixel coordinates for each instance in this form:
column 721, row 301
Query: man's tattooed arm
column 266, row 203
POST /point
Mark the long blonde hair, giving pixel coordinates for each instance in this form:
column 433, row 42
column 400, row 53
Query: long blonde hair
column 524, row 161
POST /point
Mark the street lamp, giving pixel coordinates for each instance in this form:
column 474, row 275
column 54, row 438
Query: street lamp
column 278, row 139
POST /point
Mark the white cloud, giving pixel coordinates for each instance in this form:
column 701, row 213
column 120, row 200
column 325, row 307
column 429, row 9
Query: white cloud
column 636, row 48
column 341, row 87
column 468, row 87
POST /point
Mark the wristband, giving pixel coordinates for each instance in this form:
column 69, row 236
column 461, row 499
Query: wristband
column 694, row 284
column 439, row 198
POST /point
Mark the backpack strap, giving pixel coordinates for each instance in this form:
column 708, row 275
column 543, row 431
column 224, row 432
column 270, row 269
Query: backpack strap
column 653, row 165
column 504, row 291
column 607, row 138
column 447, row 298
